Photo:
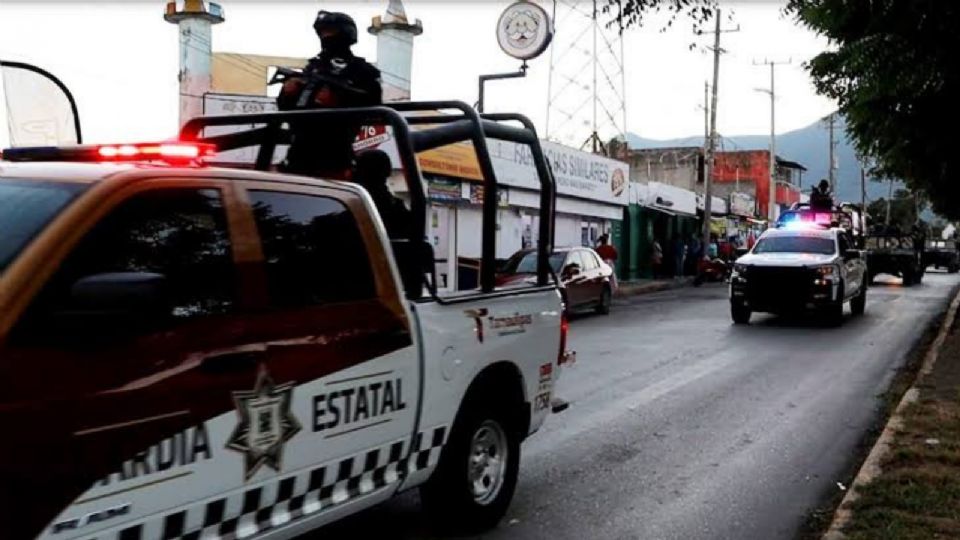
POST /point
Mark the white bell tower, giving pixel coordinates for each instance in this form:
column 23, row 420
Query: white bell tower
column 395, row 35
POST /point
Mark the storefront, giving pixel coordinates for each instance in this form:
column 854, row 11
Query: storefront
column 662, row 213
column 591, row 190
column 592, row 193
column 741, row 225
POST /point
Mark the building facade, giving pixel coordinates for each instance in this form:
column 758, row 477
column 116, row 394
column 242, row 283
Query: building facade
column 592, row 193
column 743, row 172
column 748, row 171
column 680, row 167
column 592, row 190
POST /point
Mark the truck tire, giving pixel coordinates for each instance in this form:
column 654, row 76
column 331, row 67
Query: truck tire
column 908, row 277
column 859, row 302
column 833, row 313
column 740, row 313
column 606, row 297
column 473, row 484
column 953, row 268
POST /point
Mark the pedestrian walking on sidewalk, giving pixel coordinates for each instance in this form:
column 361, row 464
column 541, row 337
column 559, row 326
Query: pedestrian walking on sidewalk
column 656, row 259
column 609, row 255
column 679, row 254
column 694, row 254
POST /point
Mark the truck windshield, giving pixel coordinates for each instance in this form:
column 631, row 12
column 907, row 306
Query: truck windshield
column 25, row 208
column 795, row 244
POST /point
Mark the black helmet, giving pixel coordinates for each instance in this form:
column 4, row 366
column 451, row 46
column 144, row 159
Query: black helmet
column 341, row 23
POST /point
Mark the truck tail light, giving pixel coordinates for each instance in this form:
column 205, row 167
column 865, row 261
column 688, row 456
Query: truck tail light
column 562, row 356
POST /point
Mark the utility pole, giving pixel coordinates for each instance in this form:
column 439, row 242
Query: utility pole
column 831, row 122
column 863, row 201
column 772, row 195
column 596, row 136
column 708, row 161
column 863, row 188
column 706, row 112
column 886, row 222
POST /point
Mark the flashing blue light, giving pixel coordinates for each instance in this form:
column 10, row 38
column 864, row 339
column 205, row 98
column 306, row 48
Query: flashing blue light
column 792, row 216
column 798, row 225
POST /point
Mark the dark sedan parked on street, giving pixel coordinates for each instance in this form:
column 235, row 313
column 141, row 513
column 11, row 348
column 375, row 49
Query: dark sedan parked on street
column 585, row 280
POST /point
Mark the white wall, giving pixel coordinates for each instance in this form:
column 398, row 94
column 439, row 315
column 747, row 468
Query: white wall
column 567, row 231
column 470, row 235
column 509, row 237
column 469, row 225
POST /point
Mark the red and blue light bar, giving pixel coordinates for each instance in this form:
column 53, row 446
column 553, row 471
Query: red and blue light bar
column 806, row 219
column 171, row 152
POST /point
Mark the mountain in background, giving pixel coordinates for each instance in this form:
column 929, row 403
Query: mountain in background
column 808, row 146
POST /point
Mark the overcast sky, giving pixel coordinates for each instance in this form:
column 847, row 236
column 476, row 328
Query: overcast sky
column 120, row 60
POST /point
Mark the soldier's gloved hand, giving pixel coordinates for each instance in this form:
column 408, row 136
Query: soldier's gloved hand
column 289, row 93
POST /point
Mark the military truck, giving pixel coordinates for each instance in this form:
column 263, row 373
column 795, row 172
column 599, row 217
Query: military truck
column 942, row 254
column 890, row 251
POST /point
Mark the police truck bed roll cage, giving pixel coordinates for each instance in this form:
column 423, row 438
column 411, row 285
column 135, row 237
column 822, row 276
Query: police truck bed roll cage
column 464, row 125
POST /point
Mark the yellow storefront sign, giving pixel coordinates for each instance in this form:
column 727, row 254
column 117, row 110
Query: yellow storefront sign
column 458, row 160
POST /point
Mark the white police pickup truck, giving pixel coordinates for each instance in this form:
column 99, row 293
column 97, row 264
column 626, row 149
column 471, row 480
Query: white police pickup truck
column 800, row 266
column 198, row 352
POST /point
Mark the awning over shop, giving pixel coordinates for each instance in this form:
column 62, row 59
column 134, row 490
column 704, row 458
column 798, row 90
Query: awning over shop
column 717, row 207
column 665, row 198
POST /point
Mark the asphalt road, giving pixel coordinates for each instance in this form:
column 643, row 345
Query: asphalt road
column 685, row 426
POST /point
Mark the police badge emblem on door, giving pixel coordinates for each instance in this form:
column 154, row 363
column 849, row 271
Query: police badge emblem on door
column 265, row 424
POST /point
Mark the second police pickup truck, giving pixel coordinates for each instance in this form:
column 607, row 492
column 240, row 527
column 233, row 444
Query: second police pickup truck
column 198, row 352
column 807, row 262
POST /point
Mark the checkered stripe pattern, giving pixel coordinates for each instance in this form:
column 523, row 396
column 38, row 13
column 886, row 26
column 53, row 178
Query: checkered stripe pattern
column 290, row 498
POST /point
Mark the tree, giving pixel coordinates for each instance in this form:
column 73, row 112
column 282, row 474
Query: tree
column 892, row 71
column 903, row 210
column 627, row 13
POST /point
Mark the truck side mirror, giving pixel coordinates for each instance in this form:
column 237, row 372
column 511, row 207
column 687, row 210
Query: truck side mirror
column 851, row 254
column 109, row 305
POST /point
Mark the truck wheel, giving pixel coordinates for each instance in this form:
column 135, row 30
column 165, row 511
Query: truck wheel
column 740, row 313
column 859, row 302
column 473, row 484
column 953, row 268
column 908, row 278
column 606, row 296
column 833, row 314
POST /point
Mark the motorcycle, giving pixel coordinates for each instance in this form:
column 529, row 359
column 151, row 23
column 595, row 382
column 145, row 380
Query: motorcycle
column 711, row 270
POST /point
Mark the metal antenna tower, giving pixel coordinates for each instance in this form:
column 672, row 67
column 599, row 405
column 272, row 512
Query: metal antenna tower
column 586, row 93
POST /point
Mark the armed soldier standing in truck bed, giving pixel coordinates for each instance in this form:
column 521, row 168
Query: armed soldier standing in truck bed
column 333, row 78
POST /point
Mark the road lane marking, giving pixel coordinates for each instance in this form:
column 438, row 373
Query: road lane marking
column 610, row 410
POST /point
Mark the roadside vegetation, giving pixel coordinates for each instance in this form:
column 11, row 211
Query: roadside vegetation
column 918, row 493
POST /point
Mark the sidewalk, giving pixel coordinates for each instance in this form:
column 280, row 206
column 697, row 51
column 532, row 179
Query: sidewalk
column 646, row 286
column 915, row 491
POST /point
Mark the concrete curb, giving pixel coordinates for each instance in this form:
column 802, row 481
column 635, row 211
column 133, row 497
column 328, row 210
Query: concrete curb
column 871, row 466
column 626, row 289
